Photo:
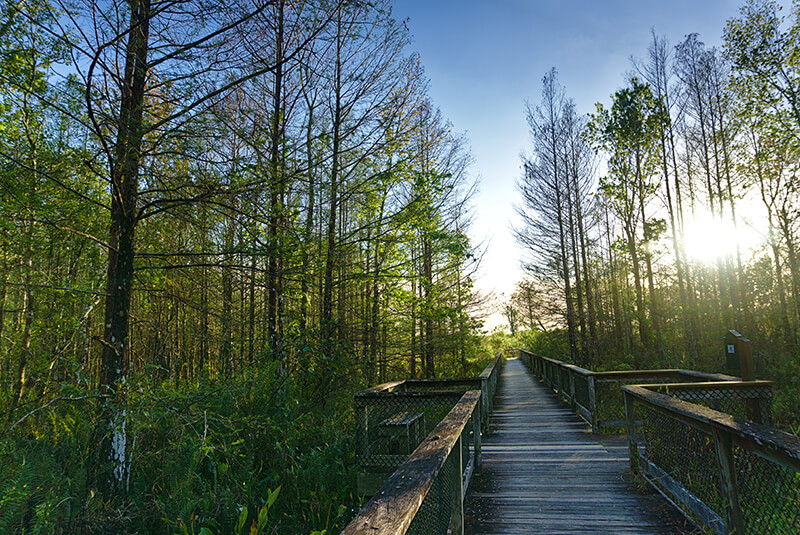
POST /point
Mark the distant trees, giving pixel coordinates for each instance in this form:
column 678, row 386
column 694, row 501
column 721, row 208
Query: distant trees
column 554, row 190
column 629, row 132
column 648, row 263
column 763, row 54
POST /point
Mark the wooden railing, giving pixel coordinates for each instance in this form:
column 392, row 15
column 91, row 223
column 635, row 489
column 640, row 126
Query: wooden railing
column 696, row 437
column 731, row 475
column 597, row 396
column 425, row 493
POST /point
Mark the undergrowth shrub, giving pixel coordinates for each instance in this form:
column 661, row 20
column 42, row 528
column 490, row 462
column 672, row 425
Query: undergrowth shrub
column 200, row 456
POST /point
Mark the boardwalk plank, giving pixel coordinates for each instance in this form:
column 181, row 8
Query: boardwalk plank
column 544, row 472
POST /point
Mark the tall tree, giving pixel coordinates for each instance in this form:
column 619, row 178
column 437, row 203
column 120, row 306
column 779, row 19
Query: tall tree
column 545, row 196
column 147, row 68
column 629, row 131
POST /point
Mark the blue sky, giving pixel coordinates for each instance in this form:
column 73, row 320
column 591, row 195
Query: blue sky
column 486, row 58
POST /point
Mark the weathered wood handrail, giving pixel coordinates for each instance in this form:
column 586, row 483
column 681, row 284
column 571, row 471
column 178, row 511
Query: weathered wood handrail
column 727, row 473
column 754, row 396
column 754, row 483
column 387, row 402
column 597, row 397
column 394, row 508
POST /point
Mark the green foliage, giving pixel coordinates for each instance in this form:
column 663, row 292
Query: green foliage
column 220, row 414
column 550, row 343
column 553, row 343
column 244, row 456
column 42, row 472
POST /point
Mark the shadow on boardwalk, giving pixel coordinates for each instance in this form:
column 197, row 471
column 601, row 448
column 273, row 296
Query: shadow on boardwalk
column 544, row 472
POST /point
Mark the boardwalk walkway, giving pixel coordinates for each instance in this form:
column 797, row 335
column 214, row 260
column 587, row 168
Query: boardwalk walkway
column 544, row 472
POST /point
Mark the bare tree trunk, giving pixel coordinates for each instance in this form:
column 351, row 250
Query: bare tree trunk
column 124, row 192
column 427, row 284
column 226, row 319
column 590, row 305
column 413, row 316
column 309, row 222
column 204, row 313
column 3, row 304
column 374, row 297
column 275, row 187
column 251, row 305
column 565, row 271
column 644, row 331
column 21, row 377
column 577, row 267
column 788, row 334
column 326, row 320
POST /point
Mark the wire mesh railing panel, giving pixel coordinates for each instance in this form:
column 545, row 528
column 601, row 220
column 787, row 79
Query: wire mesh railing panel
column 582, row 390
column 392, row 425
column 683, row 453
column 424, row 495
column 730, row 474
column 751, row 402
column 563, row 385
column 769, row 495
column 610, row 405
column 550, row 373
column 435, row 513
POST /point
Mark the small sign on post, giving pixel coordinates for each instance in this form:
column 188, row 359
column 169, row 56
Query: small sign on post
column 739, row 355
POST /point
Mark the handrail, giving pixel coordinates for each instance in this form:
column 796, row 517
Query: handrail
column 488, row 378
column 399, row 505
column 596, row 396
column 728, row 473
column 385, row 387
column 395, row 508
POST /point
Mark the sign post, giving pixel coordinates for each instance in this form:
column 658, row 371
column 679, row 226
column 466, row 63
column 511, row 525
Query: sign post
column 739, row 355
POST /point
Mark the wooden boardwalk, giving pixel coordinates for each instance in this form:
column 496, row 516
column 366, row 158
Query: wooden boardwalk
column 544, row 472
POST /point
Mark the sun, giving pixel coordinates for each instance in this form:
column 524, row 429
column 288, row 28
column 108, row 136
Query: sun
column 707, row 239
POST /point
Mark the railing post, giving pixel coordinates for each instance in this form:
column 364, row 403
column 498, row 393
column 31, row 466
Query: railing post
column 476, row 439
column 457, row 500
column 593, row 403
column 752, row 406
column 490, row 388
column 362, row 419
column 484, row 403
column 630, row 419
column 729, row 488
column 572, row 402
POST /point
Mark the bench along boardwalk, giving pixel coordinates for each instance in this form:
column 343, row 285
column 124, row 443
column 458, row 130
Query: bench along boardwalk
column 544, row 472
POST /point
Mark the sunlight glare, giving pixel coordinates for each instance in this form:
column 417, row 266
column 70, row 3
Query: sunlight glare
column 707, row 239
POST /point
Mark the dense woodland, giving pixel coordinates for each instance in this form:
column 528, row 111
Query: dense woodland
column 636, row 217
column 217, row 221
